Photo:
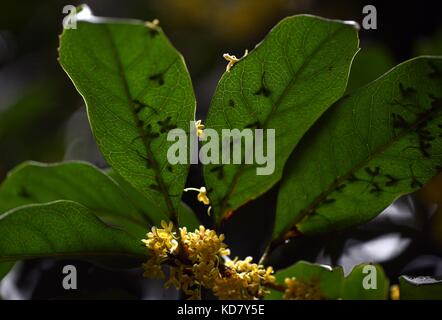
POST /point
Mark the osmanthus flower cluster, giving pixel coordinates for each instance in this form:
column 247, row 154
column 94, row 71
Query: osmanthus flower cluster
column 200, row 259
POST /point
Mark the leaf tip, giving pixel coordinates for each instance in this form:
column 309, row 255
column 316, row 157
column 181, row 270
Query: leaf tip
column 352, row 23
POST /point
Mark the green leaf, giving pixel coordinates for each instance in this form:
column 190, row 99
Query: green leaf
column 329, row 279
column 377, row 284
column 420, row 288
column 33, row 182
column 62, row 229
column 285, row 84
column 370, row 63
column 186, row 216
column 332, row 283
column 136, row 88
column 370, row 148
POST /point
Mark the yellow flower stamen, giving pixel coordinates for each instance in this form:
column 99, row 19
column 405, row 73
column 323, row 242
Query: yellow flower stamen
column 202, row 194
column 152, row 24
column 232, row 59
column 201, row 197
column 199, row 127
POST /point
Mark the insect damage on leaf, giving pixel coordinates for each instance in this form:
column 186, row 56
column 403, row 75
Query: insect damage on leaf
column 147, row 93
column 277, row 88
column 263, row 90
column 404, row 117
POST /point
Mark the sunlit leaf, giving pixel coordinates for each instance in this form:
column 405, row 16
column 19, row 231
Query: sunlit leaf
column 33, row 182
column 62, row 229
column 285, row 83
column 136, row 88
column 373, row 146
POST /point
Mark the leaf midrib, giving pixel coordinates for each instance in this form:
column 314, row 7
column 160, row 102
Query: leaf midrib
column 276, row 105
column 333, row 186
column 149, row 152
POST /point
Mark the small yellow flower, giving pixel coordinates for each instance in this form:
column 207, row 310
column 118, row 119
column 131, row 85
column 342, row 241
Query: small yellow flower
column 300, row 290
column 232, row 59
column 394, row 292
column 243, row 280
column 152, row 24
column 152, row 269
column 199, row 127
column 202, row 197
column 202, row 194
column 161, row 241
column 268, row 276
column 204, row 245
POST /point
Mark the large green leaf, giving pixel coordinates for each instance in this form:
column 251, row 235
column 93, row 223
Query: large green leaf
column 332, row 283
column 420, row 288
column 62, row 229
column 371, row 147
column 136, row 88
column 285, row 84
column 33, row 182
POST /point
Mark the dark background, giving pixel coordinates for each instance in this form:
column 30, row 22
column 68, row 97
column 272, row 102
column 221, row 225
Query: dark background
column 43, row 118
